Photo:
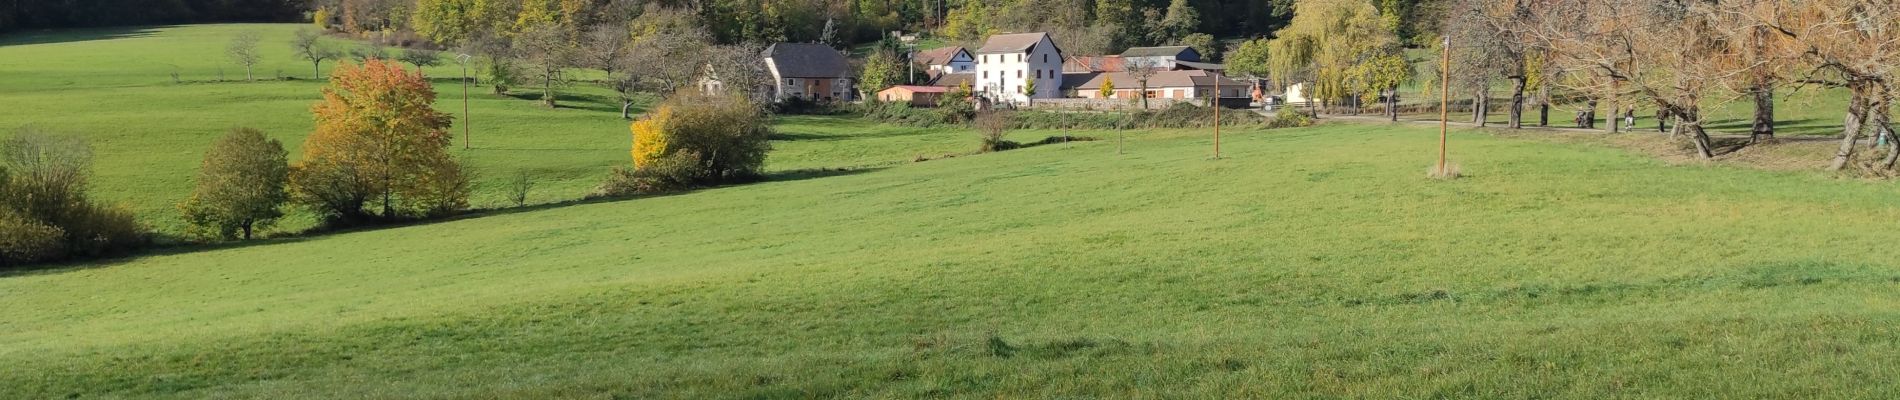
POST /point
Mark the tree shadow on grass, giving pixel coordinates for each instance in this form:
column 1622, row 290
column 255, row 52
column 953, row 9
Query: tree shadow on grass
column 184, row 247
column 51, row 36
column 574, row 101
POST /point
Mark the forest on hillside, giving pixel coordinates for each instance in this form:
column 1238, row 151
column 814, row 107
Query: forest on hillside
column 1092, row 25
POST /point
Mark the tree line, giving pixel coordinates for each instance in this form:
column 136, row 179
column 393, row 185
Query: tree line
column 48, row 14
column 1676, row 58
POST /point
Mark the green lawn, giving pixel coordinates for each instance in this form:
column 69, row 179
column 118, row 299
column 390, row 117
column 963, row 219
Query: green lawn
column 1307, row 263
column 114, row 86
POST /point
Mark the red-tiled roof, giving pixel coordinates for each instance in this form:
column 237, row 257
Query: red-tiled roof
column 921, row 89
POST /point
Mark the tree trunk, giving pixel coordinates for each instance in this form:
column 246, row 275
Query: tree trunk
column 248, row 77
column 1853, row 124
column 1543, row 113
column 1691, row 121
column 626, row 110
column 1616, row 118
column 1764, row 128
column 1392, row 105
column 1702, row 146
column 1517, row 103
column 316, row 69
column 547, row 92
column 1662, row 120
column 1882, row 120
column 247, row 230
column 1590, row 115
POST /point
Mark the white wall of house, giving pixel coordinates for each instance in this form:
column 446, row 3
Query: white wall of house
column 1160, row 62
column 1002, row 75
column 960, row 63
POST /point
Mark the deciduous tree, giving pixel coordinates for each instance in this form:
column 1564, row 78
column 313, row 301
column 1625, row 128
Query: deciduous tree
column 243, row 51
column 240, row 186
column 380, row 150
column 308, row 45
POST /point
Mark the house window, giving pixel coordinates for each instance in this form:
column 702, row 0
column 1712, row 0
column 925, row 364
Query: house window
column 1019, row 88
column 791, row 81
column 986, row 74
column 1019, row 58
column 1045, row 57
column 1019, row 74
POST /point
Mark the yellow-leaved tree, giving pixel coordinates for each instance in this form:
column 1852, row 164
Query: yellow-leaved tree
column 649, row 141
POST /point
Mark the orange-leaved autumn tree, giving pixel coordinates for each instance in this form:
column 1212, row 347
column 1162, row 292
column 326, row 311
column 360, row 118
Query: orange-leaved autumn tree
column 380, row 150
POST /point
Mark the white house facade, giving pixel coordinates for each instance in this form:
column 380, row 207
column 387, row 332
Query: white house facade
column 948, row 60
column 1006, row 63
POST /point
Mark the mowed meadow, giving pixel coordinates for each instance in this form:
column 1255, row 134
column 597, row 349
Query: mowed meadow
column 1305, row 263
column 115, row 87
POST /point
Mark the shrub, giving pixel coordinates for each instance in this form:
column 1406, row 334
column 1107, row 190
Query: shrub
column 519, row 187
column 44, row 212
column 1287, row 117
column 380, row 150
column 665, row 174
column 24, row 240
column 991, row 128
column 240, row 187
column 694, row 139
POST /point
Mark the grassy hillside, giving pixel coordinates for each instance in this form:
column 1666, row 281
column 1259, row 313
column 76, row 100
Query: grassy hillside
column 1308, row 263
column 115, row 87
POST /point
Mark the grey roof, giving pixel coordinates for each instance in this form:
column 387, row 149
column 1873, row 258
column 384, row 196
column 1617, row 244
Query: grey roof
column 950, row 80
column 1179, row 52
column 939, row 56
column 1201, row 65
column 808, row 60
column 1012, row 43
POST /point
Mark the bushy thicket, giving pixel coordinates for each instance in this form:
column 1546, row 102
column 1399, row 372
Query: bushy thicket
column 949, row 112
column 40, row 14
column 44, row 211
column 693, row 140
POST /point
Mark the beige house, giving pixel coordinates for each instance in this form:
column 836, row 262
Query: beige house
column 917, row 96
column 809, row 71
column 1187, row 84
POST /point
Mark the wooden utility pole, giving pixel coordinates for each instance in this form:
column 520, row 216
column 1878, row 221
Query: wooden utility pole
column 1444, row 104
column 1217, row 78
column 464, row 59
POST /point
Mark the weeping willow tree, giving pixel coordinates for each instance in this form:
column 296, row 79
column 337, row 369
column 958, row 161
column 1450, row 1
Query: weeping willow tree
column 1342, row 50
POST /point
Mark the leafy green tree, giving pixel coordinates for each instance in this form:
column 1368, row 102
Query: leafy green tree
column 240, row 186
column 1326, row 44
column 1249, row 58
column 1180, row 20
column 1204, row 44
column 882, row 70
column 420, row 58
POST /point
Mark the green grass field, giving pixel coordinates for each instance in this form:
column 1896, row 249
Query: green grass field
column 1307, row 263
column 115, row 87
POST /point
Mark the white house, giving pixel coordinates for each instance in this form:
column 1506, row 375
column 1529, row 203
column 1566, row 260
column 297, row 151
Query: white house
column 947, row 60
column 1006, row 63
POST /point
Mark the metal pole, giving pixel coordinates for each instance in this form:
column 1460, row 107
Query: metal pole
column 1444, row 104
